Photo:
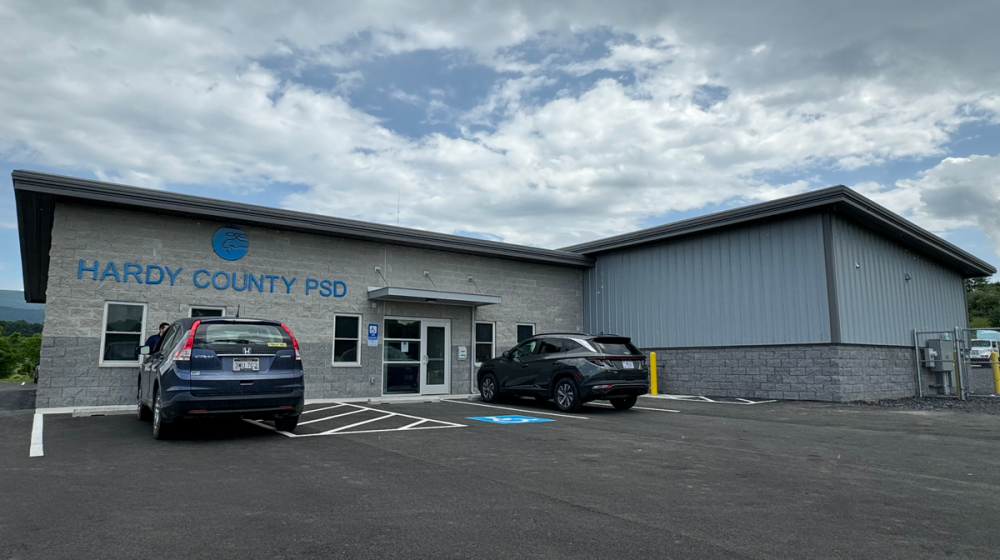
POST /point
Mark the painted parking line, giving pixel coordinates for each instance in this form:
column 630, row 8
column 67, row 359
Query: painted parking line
column 698, row 398
column 602, row 405
column 325, row 418
column 520, row 410
column 419, row 423
column 36, row 436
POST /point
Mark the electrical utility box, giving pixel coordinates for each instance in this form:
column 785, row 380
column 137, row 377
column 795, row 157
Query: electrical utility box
column 939, row 355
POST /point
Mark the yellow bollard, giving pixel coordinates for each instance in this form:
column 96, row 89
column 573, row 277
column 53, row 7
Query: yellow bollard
column 995, row 362
column 652, row 373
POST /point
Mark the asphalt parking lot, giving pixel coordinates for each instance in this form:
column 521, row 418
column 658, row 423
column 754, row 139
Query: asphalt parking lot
column 776, row 480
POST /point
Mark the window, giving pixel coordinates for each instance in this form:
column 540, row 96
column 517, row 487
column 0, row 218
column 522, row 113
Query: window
column 124, row 325
column 550, row 346
column 570, row 346
column 616, row 347
column 347, row 340
column 169, row 338
column 526, row 349
column 525, row 331
column 202, row 311
column 484, row 342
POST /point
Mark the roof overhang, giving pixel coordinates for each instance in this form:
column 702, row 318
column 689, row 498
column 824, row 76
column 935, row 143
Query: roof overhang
column 839, row 200
column 411, row 295
column 37, row 194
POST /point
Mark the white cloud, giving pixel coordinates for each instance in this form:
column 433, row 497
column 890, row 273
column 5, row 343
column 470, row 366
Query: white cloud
column 957, row 192
column 174, row 95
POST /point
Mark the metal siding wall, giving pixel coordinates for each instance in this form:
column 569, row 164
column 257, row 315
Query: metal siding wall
column 877, row 304
column 759, row 284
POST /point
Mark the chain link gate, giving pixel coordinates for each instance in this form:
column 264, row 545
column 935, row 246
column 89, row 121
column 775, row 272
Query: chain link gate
column 957, row 363
column 979, row 347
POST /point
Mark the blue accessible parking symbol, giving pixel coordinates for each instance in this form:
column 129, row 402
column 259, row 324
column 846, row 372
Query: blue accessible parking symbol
column 509, row 419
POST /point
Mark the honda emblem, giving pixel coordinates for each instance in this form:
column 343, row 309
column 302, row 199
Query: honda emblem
column 247, row 350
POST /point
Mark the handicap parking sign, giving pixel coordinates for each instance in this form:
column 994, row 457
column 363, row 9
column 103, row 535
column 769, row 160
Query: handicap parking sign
column 509, row 419
column 372, row 334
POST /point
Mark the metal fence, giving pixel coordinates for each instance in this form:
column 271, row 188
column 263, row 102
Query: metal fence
column 957, row 363
column 980, row 347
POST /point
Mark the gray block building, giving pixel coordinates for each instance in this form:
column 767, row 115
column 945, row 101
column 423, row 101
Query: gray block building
column 811, row 297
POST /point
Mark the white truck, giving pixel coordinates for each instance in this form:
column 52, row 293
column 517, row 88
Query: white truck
column 984, row 343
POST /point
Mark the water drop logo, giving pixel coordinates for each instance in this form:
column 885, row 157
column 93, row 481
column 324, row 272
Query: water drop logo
column 230, row 243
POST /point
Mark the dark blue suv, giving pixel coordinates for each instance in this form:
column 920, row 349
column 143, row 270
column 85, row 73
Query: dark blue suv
column 243, row 368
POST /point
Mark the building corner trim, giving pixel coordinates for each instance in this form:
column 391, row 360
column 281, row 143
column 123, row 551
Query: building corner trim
column 831, row 279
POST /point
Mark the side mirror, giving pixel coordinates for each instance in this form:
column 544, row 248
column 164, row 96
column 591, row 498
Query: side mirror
column 144, row 350
column 506, row 353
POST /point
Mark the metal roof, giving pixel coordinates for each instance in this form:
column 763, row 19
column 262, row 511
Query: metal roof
column 37, row 193
column 838, row 199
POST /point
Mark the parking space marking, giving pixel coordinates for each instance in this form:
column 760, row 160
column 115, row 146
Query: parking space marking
column 520, row 410
column 419, row 424
column 634, row 407
column 322, row 409
column 696, row 398
column 36, row 436
column 329, row 417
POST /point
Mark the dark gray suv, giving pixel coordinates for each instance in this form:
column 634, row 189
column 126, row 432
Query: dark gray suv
column 570, row 369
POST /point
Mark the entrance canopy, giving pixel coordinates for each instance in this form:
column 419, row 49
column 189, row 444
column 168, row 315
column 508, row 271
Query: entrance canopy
column 411, row 295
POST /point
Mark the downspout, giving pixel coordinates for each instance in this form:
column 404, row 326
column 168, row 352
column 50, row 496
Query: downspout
column 472, row 350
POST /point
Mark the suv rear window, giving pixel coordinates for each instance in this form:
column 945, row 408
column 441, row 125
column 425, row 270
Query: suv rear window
column 262, row 337
column 615, row 347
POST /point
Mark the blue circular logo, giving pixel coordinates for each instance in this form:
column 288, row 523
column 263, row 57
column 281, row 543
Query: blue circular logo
column 230, row 243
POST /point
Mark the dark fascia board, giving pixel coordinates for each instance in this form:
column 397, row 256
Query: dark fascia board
column 150, row 200
column 430, row 296
column 838, row 199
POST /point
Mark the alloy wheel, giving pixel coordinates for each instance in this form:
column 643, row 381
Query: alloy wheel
column 565, row 396
column 488, row 389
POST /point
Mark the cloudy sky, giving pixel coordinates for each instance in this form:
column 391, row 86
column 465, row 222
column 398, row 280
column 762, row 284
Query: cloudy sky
column 541, row 123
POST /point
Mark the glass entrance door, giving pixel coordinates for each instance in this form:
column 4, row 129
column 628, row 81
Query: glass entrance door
column 416, row 357
column 435, row 373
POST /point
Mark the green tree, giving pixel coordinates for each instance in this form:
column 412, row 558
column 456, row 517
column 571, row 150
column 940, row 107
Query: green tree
column 19, row 355
column 984, row 305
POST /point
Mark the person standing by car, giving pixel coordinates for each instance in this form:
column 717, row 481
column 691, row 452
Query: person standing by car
column 153, row 340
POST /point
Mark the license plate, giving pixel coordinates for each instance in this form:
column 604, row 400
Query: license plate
column 627, row 364
column 246, row 364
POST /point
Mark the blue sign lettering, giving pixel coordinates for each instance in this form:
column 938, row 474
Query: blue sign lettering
column 202, row 278
column 173, row 275
column 311, row 284
column 199, row 284
column 151, row 268
column 111, row 270
column 134, row 270
column 81, row 268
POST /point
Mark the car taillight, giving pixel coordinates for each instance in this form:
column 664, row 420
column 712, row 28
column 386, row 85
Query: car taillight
column 295, row 343
column 601, row 363
column 183, row 354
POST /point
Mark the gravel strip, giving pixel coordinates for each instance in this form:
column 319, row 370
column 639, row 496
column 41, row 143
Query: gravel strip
column 975, row 405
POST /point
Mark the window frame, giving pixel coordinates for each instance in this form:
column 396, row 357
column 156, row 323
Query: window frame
column 357, row 342
column 519, row 325
column 476, row 343
column 101, row 362
column 191, row 309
